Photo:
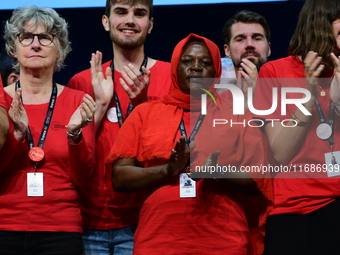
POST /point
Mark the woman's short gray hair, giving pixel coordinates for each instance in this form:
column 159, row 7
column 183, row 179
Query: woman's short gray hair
column 44, row 16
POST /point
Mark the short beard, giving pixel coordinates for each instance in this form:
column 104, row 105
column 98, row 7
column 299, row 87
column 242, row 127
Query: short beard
column 127, row 44
column 258, row 62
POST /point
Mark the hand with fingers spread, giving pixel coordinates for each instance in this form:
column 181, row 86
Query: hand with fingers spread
column 179, row 157
column 335, row 85
column 102, row 87
column 18, row 116
column 135, row 84
column 82, row 116
column 313, row 69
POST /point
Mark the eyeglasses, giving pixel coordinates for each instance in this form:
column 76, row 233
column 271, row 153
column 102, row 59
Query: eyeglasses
column 26, row 38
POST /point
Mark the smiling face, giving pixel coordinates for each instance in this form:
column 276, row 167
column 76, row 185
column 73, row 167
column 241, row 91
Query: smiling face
column 128, row 25
column 248, row 40
column 36, row 56
column 195, row 62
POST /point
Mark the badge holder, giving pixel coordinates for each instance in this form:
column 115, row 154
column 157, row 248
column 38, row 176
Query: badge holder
column 332, row 160
column 35, row 184
column 187, row 186
column 35, row 181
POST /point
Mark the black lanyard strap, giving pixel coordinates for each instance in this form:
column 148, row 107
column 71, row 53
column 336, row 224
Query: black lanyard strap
column 194, row 132
column 48, row 118
column 118, row 106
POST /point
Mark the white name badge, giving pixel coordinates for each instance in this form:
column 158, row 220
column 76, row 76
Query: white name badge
column 332, row 162
column 35, row 184
column 187, row 186
column 112, row 115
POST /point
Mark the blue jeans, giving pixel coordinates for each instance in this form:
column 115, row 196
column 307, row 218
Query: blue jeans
column 109, row 242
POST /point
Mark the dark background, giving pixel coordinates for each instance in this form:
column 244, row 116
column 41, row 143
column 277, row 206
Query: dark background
column 172, row 23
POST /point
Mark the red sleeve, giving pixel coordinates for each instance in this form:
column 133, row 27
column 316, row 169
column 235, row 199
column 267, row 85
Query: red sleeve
column 257, row 207
column 82, row 157
column 11, row 145
column 10, row 148
column 82, row 81
column 127, row 143
column 263, row 98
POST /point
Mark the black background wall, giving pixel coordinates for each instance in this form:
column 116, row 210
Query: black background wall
column 172, row 23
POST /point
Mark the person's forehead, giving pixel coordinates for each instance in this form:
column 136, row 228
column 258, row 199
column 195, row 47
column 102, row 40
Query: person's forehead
column 195, row 45
column 241, row 28
column 32, row 25
column 130, row 6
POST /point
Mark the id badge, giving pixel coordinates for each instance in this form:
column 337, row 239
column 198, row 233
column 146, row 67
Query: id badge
column 187, row 186
column 332, row 162
column 112, row 115
column 35, row 184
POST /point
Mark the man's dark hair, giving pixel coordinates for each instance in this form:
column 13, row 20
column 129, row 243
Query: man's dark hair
column 245, row 16
column 109, row 3
column 6, row 68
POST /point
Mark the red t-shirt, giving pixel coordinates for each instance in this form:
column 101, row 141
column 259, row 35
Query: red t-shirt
column 102, row 207
column 183, row 219
column 65, row 167
column 168, row 221
column 296, row 192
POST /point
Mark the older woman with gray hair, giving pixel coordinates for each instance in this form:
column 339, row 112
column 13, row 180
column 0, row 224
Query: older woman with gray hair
column 48, row 153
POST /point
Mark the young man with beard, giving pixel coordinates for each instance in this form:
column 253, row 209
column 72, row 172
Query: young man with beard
column 110, row 218
column 246, row 36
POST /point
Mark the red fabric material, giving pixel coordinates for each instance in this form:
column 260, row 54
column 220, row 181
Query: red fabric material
column 177, row 97
column 168, row 223
column 58, row 210
column 102, row 207
column 211, row 220
column 2, row 97
column 300, row 193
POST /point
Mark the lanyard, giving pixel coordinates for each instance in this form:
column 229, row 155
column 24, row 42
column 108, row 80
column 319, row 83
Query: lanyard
column 330, row 120
column 47, row 122
column 194, row 132
column 118, row 106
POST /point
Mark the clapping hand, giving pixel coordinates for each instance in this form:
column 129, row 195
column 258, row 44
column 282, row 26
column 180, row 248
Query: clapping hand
column 135, row 84
column 18, row 116
column 82, row 116
column 179, row 157
column 335, row 85
column 313, row 69
column 102, row 87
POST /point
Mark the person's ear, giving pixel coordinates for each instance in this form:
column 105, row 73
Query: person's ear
column 269, row 49
column 106, row 22
column 12, row 78
column 227, row 50
column 150, row 25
